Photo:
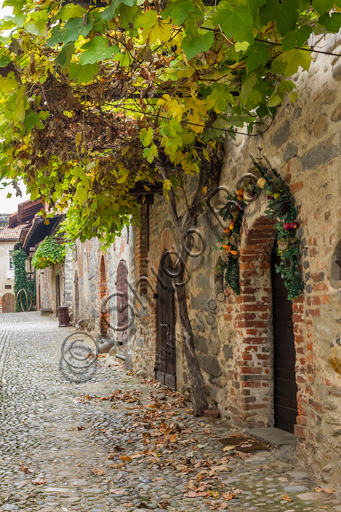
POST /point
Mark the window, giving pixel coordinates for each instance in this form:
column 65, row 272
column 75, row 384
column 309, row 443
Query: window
column 11, row 262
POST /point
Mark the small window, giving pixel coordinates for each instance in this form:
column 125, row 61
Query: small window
column 11, row 262
column 8, row 287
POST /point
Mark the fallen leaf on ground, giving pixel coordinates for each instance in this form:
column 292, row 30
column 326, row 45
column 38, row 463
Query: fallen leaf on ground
column 229, row 496
column 81, row 428
column 328, row 491
column 287, row 498
column 98, row 471
column 25, row 469
column 38, row 481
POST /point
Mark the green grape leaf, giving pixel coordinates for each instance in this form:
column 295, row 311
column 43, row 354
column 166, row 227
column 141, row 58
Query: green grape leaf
column 297, row 38
column 71, row 10
column 291, row 60
column 110, row 12
column 285, row 13
column 83, row 74
column 97, row 50
column 257, row 55
column 4, row 61
column 65, row 56
column 322, row 6
column 235, row 22
column 192, row 46
column 179, row 10
column 32, row 119
column 332, row 22
column 75, row 28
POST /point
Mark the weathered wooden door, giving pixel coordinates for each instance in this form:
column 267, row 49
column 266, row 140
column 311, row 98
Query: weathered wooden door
column 122, row 302
column 165, row 366
column 285, row 387
column 76, row 298
column 8, row 303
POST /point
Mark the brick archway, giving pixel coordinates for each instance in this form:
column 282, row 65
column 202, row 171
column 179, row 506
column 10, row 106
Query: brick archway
column 103, row 294
column 254, row 324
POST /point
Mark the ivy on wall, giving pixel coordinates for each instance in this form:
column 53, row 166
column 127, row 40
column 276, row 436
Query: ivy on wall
column 20, row 278
column 281, row 209
column 48, row 253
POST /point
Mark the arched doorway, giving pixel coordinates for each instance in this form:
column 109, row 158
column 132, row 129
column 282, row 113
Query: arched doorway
column 122, row 302
column 165, row 366
column 285, row 387
column 103, row 294
column 76, row 297
column 264, row 325
column 8, row 303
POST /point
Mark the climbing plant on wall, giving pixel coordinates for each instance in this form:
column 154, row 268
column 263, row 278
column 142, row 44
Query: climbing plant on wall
column 281, row 209
column 20, row 280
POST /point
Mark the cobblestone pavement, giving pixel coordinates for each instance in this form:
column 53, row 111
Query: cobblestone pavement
column 114, row 443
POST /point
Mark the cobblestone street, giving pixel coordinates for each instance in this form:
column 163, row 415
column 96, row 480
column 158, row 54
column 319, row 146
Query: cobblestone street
column 114, row 443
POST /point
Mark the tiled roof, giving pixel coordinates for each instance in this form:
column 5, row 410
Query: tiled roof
column 10, row 234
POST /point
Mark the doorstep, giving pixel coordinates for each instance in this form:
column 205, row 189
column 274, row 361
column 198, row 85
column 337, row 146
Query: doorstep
column 273, row 436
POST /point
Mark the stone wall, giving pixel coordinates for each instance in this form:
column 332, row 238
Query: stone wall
column 234, row 337
column 95, row 271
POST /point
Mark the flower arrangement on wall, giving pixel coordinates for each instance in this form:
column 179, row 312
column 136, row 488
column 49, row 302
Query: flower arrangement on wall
column 281, row 209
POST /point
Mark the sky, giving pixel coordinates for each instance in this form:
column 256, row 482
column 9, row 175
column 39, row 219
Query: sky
column 10, row 205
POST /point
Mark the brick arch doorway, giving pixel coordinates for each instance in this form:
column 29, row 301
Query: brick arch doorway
column 267, row 356
column 122, row 302
column 8, row 303
column 103, row 294
column 165, row 365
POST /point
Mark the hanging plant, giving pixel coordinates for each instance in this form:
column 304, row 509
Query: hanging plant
column 281, row 209
column 48, row 253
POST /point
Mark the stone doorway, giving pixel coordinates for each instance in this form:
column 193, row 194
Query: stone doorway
column 165, row 366
column 285, row 387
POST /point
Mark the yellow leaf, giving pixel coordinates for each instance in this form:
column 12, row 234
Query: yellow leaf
column 204, row 190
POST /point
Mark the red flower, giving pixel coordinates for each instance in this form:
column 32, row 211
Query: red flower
column 293, row 225
column 287, row 225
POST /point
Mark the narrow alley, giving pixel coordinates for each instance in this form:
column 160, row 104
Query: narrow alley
column 118, row 443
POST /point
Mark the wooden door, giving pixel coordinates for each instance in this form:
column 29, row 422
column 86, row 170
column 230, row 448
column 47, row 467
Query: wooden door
column 76, row 298
column 165, row 366
column 122, row 302
column 8, row 303
column 285, row 388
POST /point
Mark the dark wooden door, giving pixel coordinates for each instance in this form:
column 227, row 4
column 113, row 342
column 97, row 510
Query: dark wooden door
column 76, row 298
column 165, row 366
column 122, row 302
column 285, row 388
column 8, row 303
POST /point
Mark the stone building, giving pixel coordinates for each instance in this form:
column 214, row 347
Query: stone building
column 96, row 288
column 256, row 346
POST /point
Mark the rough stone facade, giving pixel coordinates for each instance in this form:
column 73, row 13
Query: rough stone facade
column 91, row 287
column 234, row 333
